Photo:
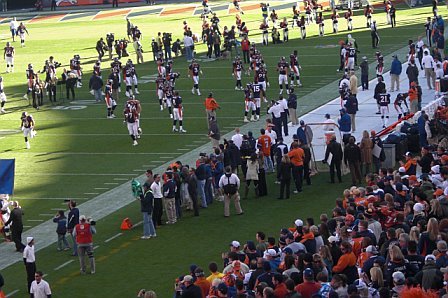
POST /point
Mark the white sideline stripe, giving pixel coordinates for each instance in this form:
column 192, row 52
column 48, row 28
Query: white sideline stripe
column 35, row 220
column 121, row 179
column 113, row 237
column 69, row 174
column 91, row 193
column 63, row 265
column 55, row 199
column 109, row 135
column 12, row 293
column 111, row 183
column 98, row 153
column 95, row 247
column 101, row 188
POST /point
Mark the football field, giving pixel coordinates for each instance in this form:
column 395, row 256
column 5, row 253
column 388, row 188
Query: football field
column 78, row 153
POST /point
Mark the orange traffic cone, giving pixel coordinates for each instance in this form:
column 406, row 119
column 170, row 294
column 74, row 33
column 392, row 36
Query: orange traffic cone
column 126, row 224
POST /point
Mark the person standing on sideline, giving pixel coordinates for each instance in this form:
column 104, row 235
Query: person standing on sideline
column 96, row 87
column 53, row 5
column 189, row 46
column 366, row 147
column 245, row 46
column 213, row 131
column 156, row 188
column 392, row 12
column 351, row 107
column 364, row 74
column 352, row 158
column 114, row 3
column 428, row 65
column 336, row 151
column 29, row 258
column 169, row 192
column 292, row 107
column 395, row 71
column 297, row 156
column 146, row 207
column 192, row 182
column 230, row 184
column 72, row 221
column 412, row 72
column 376, row 141
column 353, row 83
column 345, row 125
column 16, row 222
column 83, row 234
column 61, row 230
column 374, row 35
column 39, row 287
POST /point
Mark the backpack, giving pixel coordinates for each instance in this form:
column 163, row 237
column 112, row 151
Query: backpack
column 229, row 188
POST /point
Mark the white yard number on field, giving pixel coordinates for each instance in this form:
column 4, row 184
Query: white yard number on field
column 74, row 108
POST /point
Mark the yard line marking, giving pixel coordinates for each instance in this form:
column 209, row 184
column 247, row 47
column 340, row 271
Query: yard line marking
column 63, row 265
column 138, row 170
column 12, row 293
column 183, row 149
column 95, row 247
column 113, row 237
column 111, row 183
column 56, row 209
column 101, row 188
column 137, row 224
column 46, row 214
column 91, row 193
column 121, row 179
column 35, row 220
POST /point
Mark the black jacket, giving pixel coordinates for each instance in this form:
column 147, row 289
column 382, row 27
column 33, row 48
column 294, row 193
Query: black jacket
column 285, row 171
column 192, row 185
column 146, row 202
column 334, row 148
column 192, row 291
column 425, row 163
column 351, row 105
column 16, row 219
column 352, row 153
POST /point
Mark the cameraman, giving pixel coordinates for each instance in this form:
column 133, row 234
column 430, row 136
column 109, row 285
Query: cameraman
column 177, row 47
column 83, row 234
column 167, row 44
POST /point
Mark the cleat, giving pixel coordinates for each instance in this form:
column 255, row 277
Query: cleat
column 182, row 131
column 199, row 93
column 25, row 96
column 119, row 89
column 175, row 130
column 110, row 117
column 161, row 107
column 134, row 143
column 2, row 111
column 252, row 118
column 171, row 116
column 113, row 116
column 127, row 93
column 27, row 145
column 136, row 91
column 236, row 88
column 192, row 91
column 246, row 120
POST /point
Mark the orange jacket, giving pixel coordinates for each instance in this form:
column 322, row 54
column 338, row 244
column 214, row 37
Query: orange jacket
column 204, row 284
column 211, row 104
column 265, row 142
column 346, row 260
column 413, row 94
column 297, row 156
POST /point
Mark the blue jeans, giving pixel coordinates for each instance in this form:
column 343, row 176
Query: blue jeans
column 208, row 191
column 75, row 246
column 148, row 225
column 188, row 53
column 98, row 95
column 201, row 192
column 62, row 242
column 268, row 165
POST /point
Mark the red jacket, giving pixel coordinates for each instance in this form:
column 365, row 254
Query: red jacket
column 83, row 233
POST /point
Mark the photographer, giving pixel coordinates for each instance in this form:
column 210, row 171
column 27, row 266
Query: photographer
column 70, row 80
column 177, row 47
column 83, row 234
column 167, row 44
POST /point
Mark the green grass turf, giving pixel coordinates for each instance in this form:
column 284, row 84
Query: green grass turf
column 76, row 135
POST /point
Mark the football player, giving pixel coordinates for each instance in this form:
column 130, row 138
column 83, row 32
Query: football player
column 97, row 68
column 193, row 71
column 383, row 100
column 282, row 69
column 168, row 101
column 294, row 69
column 264, row 31
column 236, row 72
column 111, row 104
column 177, row 113
column 350, row 55
column 21, row 32
column 8, row 55
column 75, row 66
column 261, row 78
column 30, row 77
column 2, row 97
column 302, row 25
column 401, row 105
column 131, row 118
column 27, row 126
column 116, row 69
column 380, row 64
column 368, row 14
column 160, row 81
column 130, row 77
column 320, row 22
column 348, row 15
column 257, row 89
column 334, row 18
column 284, row 26
column 236, row 4
column 110, row 38
column 249, row 104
